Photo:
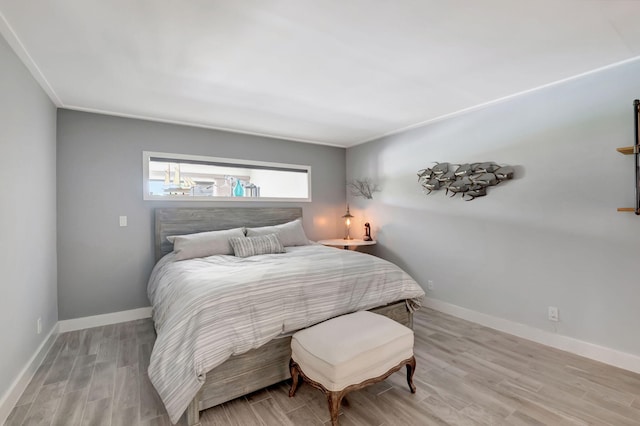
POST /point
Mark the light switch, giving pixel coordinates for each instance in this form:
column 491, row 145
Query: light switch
column 123, row 221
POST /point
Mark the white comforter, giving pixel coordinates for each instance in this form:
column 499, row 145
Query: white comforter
column 206, row 310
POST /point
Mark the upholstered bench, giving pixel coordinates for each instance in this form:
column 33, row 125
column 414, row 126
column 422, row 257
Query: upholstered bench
column 349, row 352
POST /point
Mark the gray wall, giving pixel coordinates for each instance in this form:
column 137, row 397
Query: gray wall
column 550, row 237
column 104, row 268
column 27, row 215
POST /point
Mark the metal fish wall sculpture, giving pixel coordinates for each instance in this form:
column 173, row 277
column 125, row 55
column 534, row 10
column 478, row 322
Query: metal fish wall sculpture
column 470, row 179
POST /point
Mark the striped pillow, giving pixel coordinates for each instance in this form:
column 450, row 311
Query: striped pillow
column 252, row 246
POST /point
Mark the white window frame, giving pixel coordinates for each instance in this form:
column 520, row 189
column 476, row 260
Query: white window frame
column 147, row 155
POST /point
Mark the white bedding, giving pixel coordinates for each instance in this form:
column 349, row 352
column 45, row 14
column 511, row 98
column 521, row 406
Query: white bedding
column 208, row 309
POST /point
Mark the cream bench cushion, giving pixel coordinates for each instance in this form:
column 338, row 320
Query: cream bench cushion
column 351, row 349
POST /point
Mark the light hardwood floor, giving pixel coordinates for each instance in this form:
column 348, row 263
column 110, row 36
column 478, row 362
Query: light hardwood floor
column 466, row 375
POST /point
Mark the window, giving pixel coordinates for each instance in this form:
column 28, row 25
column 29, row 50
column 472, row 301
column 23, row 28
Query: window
column 194, row 177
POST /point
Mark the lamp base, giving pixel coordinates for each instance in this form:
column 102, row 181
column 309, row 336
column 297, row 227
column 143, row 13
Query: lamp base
column 348, row 238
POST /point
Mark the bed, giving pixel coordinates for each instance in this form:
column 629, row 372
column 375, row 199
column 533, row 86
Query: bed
column 266, row 360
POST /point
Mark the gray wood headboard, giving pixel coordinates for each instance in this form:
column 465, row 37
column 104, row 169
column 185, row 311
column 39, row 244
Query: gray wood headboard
column 180, row 221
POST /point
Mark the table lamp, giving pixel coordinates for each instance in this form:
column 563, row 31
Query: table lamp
column 347, row 221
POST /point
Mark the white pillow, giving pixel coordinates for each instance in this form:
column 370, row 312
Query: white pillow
column 204, row 244
column 252, row 246
column 290, row 233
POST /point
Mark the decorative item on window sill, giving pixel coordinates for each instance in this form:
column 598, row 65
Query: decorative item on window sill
column 363, row 188
column 178, row 185
column 251, row 190
column 367, row 232
column 471, row 179
column 238, row 189
column 347, row 222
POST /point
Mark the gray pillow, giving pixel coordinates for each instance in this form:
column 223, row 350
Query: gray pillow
column 252, row 246
column 204, row 244
column 290, row 233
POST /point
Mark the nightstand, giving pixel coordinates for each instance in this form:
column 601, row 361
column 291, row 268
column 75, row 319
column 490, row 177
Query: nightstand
column 346, row 243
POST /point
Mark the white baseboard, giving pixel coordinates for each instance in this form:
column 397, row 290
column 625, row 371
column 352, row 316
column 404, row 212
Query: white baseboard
column 104, row 319
column 569, row 344
column 11, row 397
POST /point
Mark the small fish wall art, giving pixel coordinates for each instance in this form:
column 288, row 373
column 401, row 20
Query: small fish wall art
column 471, row 180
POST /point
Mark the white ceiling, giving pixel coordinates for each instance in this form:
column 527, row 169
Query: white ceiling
column 337, row 72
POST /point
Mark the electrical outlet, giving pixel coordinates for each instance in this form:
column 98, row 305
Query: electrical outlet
column 553, row 314
column 39, row 325
column 430, row 285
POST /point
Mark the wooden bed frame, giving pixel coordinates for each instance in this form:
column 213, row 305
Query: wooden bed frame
column 268, row 364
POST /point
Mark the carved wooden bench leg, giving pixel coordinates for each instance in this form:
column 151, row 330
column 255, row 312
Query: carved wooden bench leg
column 295, row 377
column 334, row 399
column 411, row 368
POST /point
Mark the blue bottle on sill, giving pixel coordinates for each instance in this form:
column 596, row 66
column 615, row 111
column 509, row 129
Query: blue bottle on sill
column 238, row 191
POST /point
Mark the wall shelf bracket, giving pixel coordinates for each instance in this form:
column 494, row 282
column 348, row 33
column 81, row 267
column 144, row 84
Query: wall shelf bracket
column 635, row 151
